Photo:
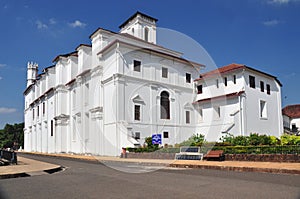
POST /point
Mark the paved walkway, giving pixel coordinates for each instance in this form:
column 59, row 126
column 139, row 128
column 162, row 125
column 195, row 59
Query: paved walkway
column 26, row 165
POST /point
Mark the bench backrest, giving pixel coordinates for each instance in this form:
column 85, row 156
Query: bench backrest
column 189, row 149
column 216, row 152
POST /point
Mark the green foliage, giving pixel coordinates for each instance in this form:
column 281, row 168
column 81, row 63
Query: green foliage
column 12, row 136
column 288, row 149
column 290, row 139
column 148, row 147
column 240, row 141
column 255, row 139
column 194, row 140
column 274, row 140
column 228, row 139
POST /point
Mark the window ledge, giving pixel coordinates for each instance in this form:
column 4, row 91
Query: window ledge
column 264, row 118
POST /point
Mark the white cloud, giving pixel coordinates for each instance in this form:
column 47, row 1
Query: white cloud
column 2, row 65
column 52, row 21
column 41, row 25
column 1, row 78
column 77, row 23
column 273, row 22
column 4, row 110
column 281, row 2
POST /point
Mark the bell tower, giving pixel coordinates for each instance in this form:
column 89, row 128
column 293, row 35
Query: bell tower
column 141, row 26
column 32, row 71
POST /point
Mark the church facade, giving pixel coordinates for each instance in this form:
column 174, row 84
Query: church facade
column 119, row 90
column 111, row 94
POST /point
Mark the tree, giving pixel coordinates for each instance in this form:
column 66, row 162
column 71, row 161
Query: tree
column 12, row 136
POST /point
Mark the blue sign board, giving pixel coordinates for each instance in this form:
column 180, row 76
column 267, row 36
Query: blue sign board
column 156, row 139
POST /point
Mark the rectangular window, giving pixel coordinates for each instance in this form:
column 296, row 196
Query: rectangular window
column 38, row 110
column 217, row 83
column 199, row 89
column 74, row 129
column 188, row 78
column 51, row 128
column 137, row 112
column 86, row 94
column 166, row 134
column 294, row 128
column 200, row 114
column 234, row 79
column 268, row 89
column 137, row 135
column 263, row 109
column 225, row 81
column 74, row 98
column 262, row 86
column 87, row 126
column 164, row 72
column 33, row 114
column 187, row 117
column 137, row 66
column 252, row 81
column 44, row 108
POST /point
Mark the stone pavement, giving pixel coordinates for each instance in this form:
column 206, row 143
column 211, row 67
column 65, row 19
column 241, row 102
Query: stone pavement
column 29, row 166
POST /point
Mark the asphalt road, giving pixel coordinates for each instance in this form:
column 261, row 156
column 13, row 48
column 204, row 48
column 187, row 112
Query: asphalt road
column 83, row 179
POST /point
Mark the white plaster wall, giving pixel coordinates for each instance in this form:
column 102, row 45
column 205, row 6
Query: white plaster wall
column 272, row 125
column 295, row 121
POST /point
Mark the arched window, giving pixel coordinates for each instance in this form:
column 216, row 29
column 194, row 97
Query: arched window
column 164, row 105
column 146, row 34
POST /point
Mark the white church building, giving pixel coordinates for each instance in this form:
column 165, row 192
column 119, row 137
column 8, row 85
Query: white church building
column 124, row 87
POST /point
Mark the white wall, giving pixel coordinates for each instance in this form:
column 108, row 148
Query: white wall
column 272, row 124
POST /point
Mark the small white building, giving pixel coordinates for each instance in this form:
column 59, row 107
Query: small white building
column 291, row 118
column 238, row 100
column 123, row 87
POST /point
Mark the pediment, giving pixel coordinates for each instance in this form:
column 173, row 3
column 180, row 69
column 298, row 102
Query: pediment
column 188, row 106
column 137, row 98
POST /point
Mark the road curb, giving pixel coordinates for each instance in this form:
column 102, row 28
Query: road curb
column 194, row 166
column 239, row 169
column 14, row 175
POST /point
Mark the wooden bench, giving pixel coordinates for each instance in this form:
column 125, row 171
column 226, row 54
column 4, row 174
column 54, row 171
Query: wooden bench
column 189, row 153
column 215, row 155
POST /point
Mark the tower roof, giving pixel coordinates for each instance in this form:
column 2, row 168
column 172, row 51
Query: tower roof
column 136, row 14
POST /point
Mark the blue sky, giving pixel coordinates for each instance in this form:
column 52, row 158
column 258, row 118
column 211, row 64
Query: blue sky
column 264, row 34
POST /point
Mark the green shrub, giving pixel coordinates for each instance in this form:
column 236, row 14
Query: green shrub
column 290, row 139
column 194, row 140
column 240, row 141
column 274, row 140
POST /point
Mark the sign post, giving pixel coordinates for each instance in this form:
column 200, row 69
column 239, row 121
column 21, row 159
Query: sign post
column 156, row 139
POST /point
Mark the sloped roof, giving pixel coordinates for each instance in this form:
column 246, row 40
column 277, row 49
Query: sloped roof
column 224, row 69
column 234, row 94
column 134, row 15
column 292, row 111
column 74, row 53
column 233, row 67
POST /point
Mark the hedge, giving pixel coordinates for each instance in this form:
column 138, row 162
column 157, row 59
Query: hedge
column 290, row 149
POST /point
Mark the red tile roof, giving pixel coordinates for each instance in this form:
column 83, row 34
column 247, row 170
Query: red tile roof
column 224, row 69
column 233, row 67
column 292, row 111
